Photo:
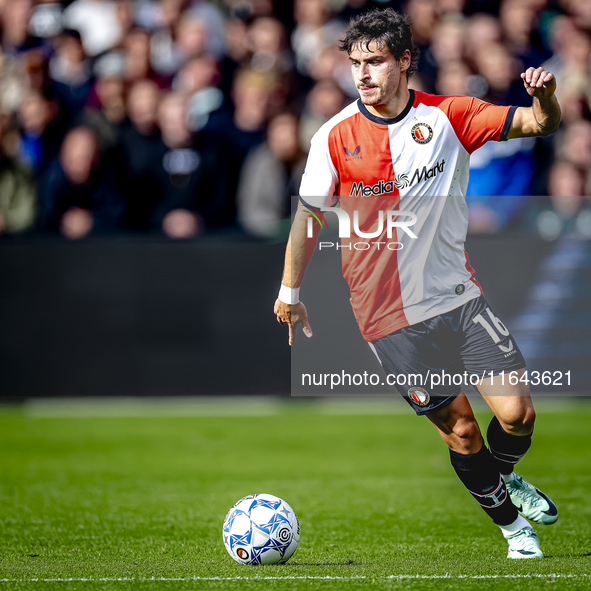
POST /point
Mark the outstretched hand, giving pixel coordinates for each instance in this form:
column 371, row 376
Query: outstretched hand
column 293, row 315
column 538, row 82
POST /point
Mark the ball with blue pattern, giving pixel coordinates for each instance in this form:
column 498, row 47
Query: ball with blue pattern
column 261, row 529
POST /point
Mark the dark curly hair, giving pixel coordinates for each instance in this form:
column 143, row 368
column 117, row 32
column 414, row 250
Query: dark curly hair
column 385, row 27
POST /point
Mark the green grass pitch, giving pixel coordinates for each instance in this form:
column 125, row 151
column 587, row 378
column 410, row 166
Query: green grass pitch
column 109, row 496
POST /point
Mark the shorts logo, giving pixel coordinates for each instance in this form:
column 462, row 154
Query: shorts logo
column 460, row 289
column 507, row 349
column 422, row 133
column 419, row 396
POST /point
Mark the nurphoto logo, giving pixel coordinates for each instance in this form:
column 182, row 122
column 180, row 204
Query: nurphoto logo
column 388, row 220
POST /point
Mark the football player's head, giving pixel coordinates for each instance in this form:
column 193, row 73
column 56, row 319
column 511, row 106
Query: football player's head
column 382, row 55
column 382, row 29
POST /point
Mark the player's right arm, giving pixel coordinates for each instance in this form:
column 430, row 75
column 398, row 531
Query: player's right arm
column 299, row 251
column 317, row 189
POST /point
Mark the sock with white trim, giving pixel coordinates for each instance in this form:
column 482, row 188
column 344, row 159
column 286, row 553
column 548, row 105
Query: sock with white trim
column 479, row 474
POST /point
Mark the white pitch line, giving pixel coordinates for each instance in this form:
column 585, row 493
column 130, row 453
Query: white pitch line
column 299, row 578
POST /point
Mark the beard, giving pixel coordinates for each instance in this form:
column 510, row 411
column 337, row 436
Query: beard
column 375, row 98
column 371, row 101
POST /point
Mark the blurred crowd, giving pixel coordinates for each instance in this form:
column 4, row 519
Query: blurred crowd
column 192, row 116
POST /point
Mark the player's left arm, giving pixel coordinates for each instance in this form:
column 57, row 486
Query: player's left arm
column 543, row 117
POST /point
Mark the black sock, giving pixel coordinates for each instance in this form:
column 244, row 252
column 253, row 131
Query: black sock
column 479, row 474
column 505, row 448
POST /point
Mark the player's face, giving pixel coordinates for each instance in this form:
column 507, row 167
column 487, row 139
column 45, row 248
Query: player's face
column 377, row 73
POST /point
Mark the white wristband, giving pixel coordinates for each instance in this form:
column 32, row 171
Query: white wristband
column 289, row 295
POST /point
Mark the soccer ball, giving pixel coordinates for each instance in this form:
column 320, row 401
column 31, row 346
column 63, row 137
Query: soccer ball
column 261, row 529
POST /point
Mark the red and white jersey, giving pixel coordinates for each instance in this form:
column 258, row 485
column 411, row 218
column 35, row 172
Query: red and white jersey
column 417, row 162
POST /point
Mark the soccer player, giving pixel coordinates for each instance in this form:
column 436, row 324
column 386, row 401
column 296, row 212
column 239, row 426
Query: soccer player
column 413, row 291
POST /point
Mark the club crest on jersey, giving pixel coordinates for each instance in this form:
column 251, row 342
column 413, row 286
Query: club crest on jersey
column 354, row 155
column 419, row 396
column 422, row 133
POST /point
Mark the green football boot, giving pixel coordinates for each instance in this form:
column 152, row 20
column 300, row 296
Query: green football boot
column 532, row 503
column 524, row 544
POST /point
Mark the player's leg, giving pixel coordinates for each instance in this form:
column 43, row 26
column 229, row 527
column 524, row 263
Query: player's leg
column 510, row 430
column 472, row 461
column 488, row 349
column 509, row 437
column 457, row 426
column 478, row 471
column 411, row 355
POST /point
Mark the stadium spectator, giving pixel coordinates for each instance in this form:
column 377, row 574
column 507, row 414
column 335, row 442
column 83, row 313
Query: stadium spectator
column 483, row 29
column 125, row 13
column 237, row 53
column 142, row 102
column 575, row 144
column 136, row 47
column 324, row 101
column 498, row 68
column 182, row 32
column 40, row 133
column 267, row 43
column 187, row 174
column 331, row 64
column 214, row 21
column 521, row 36
column 105, row 103
column 253, row 96
column 161, row 19
column 566, row 211
column 448, row 40
column 191, row 38
column 270, row 179
column 136, row 152
column 581, row 11
column 453, row 79
column 15, row 17
column 571, row 46
column 78, row 193
column 565, row 181
column 70, row 74
column 424, row 18
column 314, row 32
column 198, row 80
column 17, row 192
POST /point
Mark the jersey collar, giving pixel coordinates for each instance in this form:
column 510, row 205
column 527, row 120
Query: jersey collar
column 388, row 121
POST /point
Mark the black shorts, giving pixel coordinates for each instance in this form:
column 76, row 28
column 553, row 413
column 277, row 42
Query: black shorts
column 425, row 361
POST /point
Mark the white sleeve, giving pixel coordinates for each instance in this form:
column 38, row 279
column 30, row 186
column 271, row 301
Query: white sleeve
column 320, row 177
